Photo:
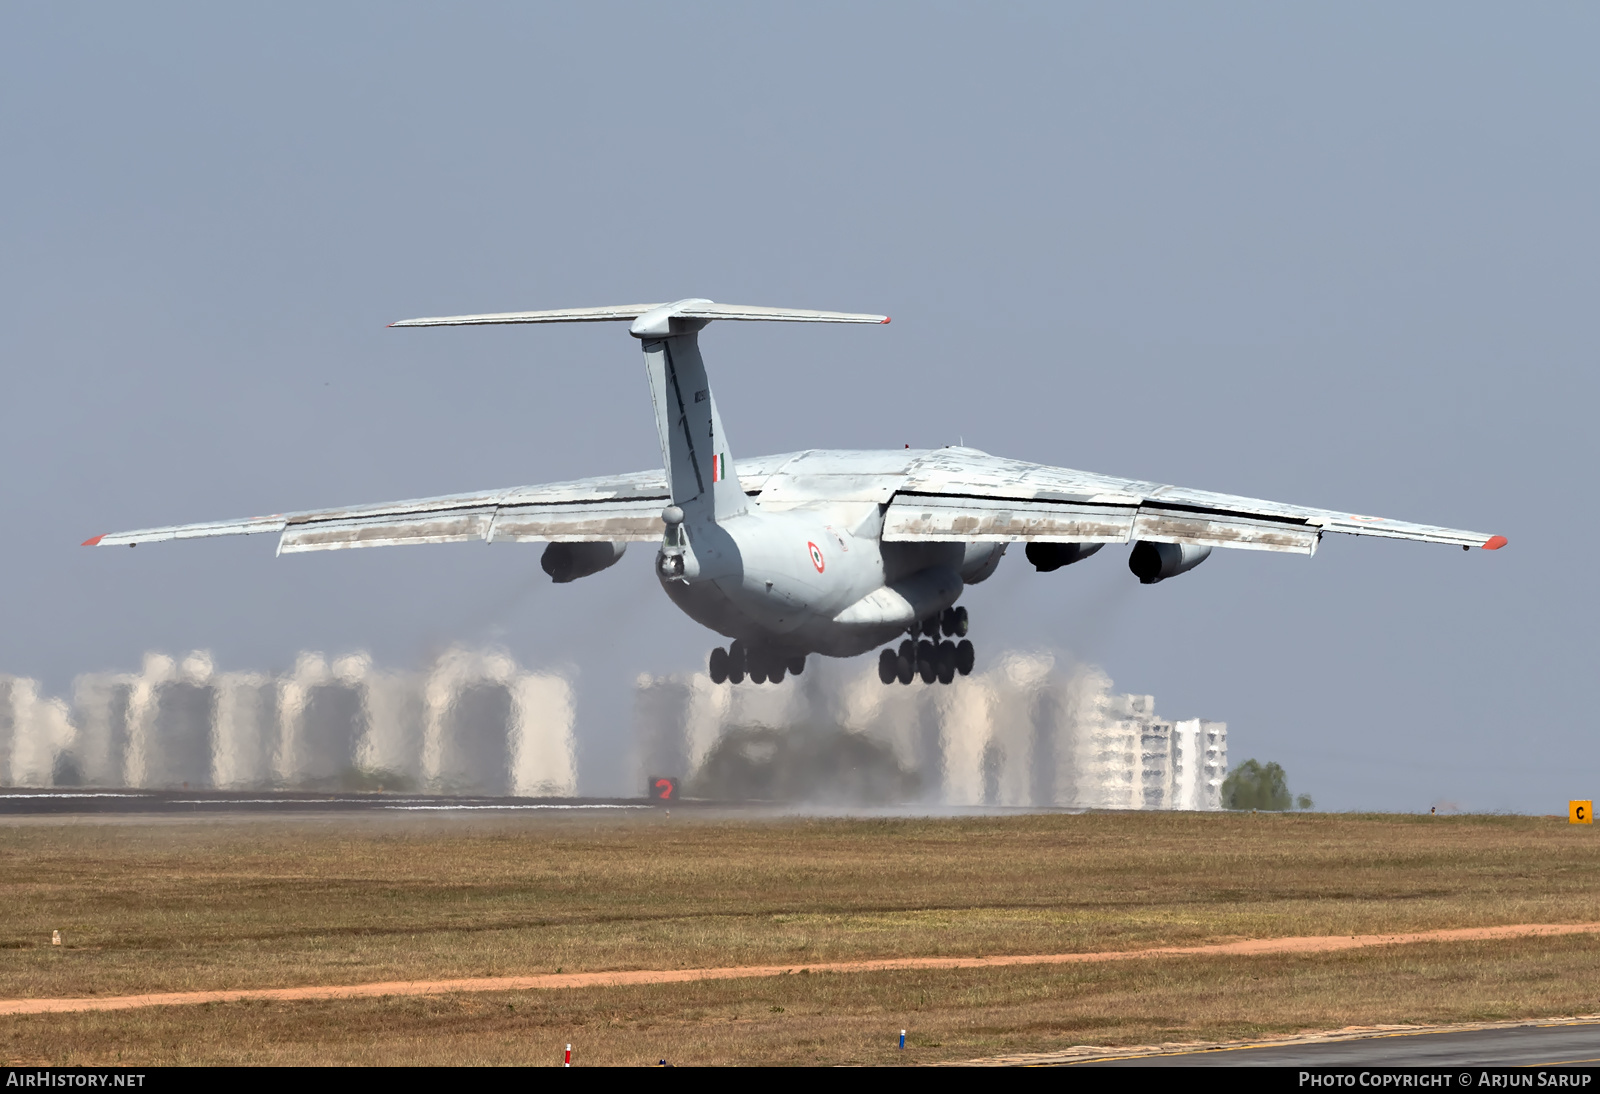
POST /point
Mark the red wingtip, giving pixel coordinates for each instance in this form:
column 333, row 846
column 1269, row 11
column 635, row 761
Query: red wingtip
column 95, row 542
column 885, row 320
column 1495, row 543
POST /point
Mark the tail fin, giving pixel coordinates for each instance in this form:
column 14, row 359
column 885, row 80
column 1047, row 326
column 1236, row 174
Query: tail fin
column 696, row 452
column 694, row 448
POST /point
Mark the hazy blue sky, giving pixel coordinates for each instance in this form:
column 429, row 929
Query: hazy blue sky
column 1342, row 255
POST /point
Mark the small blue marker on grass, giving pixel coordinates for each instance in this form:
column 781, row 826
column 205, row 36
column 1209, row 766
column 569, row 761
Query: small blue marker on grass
column 902, row 1038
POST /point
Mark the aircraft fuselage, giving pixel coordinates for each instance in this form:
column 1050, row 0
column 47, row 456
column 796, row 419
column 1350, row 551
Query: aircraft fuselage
column 779, row 578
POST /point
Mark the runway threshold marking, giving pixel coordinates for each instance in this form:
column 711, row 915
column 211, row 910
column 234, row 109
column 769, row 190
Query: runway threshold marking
column 626, row 977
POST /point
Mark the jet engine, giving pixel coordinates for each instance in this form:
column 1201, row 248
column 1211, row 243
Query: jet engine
column 1052, row 556
column 566, row 562
column 1153, row 562
column 979, row 561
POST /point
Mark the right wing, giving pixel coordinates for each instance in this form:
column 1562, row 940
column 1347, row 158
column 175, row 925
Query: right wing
column 607, row 509
column 963, row 494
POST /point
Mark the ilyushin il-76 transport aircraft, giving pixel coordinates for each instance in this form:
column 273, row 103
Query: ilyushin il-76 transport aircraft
column 827, row 552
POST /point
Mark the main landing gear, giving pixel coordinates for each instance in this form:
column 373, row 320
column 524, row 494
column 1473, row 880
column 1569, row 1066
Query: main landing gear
column 930, row 658
column 738, row 661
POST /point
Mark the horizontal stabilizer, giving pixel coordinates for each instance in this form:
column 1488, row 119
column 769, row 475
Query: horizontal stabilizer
column 706, row 309
column 560, row 315
column 682, row 309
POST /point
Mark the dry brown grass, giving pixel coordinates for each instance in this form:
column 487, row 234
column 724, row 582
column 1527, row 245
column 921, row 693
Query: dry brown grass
column 852, row 1018
column 163, row 905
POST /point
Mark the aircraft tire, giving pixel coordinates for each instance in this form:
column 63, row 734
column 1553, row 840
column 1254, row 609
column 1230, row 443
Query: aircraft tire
column 908, row 651
column 930, row 626
column 736, row 661
column 718, row 666
column 775, row 672
column 947, row 622
column 965, row 656
column 758, row 674
column 888, row 666
column 945, row 660
column 797, row 664
column 905, row 671
column 926, row 667
column 961, row 623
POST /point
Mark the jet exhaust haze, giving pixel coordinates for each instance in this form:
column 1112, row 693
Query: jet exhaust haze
column 1035, row 730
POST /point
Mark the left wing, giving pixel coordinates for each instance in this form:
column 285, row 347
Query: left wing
column 963, row 494
column 608, row 509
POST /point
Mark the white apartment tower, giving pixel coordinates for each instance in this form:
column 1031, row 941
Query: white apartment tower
column 474, row 722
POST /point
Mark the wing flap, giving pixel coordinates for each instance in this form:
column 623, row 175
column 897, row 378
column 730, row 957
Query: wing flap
column 1238, row 530
column 455, row 526
column 637, row 519
column 604, row 522
column 629, row 520
column 925, row 518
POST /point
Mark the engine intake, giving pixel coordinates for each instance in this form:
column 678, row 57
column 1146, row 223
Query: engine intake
column 1052, row 556
column 566, row 562
column 1153, row 562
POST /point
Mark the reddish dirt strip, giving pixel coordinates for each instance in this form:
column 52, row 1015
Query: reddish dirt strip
column 551, row 981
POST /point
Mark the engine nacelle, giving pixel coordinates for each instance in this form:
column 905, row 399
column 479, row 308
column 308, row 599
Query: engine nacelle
column 980, row 560
column 1052, row 556
column 1153, row 562
column 566, row 562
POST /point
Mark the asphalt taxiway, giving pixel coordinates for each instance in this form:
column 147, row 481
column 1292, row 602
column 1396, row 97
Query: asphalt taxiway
column 1567, row 1043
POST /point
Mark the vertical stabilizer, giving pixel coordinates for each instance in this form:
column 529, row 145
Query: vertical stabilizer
column 699, row 465
column 694, row 448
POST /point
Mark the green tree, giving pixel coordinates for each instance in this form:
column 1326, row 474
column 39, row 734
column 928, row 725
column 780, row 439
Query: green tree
column 1252, row 785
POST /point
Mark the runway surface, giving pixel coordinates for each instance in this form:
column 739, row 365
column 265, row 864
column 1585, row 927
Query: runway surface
column 37, row 802
column 22, row 802
column 1565, row 1043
